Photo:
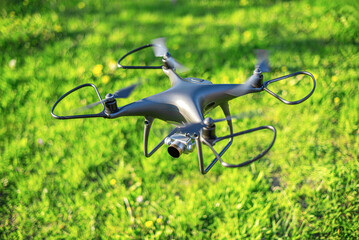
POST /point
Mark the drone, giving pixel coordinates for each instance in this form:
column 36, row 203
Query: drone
column 185, row 105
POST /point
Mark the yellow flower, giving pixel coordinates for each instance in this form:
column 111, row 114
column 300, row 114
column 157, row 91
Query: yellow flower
column 336, row 100
column 315, row 76
column 81, row 5
column 97, row 70
column 113, row 181
column 159, row 220
column 247, row 36
column 105, row 79
column 243, row 2
column 57, row 28
column 149, row 224
column 334, row 78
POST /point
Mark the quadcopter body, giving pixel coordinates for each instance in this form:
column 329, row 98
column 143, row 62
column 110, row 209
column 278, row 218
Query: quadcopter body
column 185, row 104
column 186, row 101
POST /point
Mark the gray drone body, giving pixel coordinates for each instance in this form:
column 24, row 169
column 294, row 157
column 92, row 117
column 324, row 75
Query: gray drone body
column 184, row 105
column 186, row 101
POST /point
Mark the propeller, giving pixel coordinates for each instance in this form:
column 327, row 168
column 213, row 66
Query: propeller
column 256, row 80
column 262, row 60
column 159, row 47
column 160, row 50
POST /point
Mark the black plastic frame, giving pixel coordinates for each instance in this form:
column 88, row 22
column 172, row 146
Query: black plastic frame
column 137, row 67
column 265, row 84
column 100, row 114
column 200, row 140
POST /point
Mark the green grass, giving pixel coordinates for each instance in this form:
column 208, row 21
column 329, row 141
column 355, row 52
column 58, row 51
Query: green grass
column 89, row 178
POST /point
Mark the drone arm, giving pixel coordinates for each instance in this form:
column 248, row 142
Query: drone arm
column 238, row 134
column 173, row 76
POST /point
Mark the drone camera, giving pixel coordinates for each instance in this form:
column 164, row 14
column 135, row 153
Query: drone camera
column 176, row 149
column 178, row 144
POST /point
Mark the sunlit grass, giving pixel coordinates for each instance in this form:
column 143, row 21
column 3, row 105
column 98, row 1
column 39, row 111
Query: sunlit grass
column 89, row 179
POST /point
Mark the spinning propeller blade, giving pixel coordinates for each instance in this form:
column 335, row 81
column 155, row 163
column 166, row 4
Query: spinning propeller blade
column 249, row 114
column 125, row 92
column 81, row 109
column 262, row 60
column 159, row 47
column 160, row 50
column 179, row 67
column 256, row 80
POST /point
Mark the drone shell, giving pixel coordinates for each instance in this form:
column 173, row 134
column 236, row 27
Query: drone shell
column 186, row 101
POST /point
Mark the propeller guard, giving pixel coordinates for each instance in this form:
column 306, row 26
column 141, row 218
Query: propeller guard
column 100, row 114
column 168, row 61
column 136, row 67
column 265, row 87
column 218, row 156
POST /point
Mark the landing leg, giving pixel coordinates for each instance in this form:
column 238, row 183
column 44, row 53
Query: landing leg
column 148, row 124
column 225, row 109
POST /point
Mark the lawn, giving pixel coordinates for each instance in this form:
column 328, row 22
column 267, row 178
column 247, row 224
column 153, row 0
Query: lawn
column 84, row 179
